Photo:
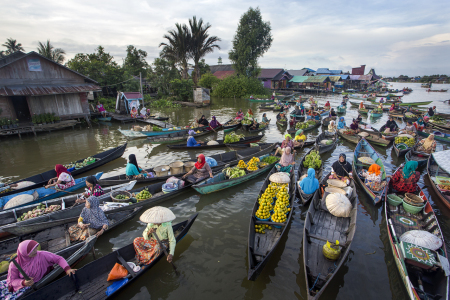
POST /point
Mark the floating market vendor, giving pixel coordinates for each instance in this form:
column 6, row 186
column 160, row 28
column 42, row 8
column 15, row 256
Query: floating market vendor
column 341, row 169
column 344, row 103
column 300, row 138
column 292, row 122
column 191, row 142
column 134, row 113
column 93, row 188
column 251, row 97
column 214, row 123
column 354, row 126
column 427, row 145
column 406, row 179
column 255, row 125
column 381, row 101
column 388, row 97
column 409, row 128
column 239, row 115
column 373, row 178
column 332, row 126
column 265, row 120
column 202, row 122
column 92, row 221
column 286, row 162
column 101, row 109
column 159, row 221
column 287, row 142
column 327, row 105
column 35, row 264
column 392, row 107
column 359, row 119
column 419, row 124
column 361, row 105
column 316, row 116
column 341, row 123
column 332, row 113
column 280, row 116
column 391, row 124
column 431, row 111
column 310, row 183
column 200, row 171
column 133, row 171
column 249, row 114
column 63, row 179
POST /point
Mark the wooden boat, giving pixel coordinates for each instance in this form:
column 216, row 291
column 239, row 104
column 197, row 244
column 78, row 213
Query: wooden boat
column 439, row 125
column 220, row 182
column 321, row 226
column 375, row 114
column 388, row 136
column 434, row 170
column 317, row 125
column 42, row 179
column 341, row 109
column 401, row 152
column 420, row 157
column 262, row 246
column 107, row 119
column 259, row 129
column 91, row 281
column 175, row 136
column 354, row 104
column 42, row 194
column 420, row 268
column 363, row 127
column 222, row 159
column 326, row 121
column 440, row 136
column 221, row 144
column 364, row 149
column 438, row 91
column 302, row 170
column 230, row 125
column 372, row 138
column 259, row 100
column 165, row 131
column 266, row 107
column 159, row 118
column 415, row 103
column 10, row 225
column 247, row 146
column 363, row 111
column 361, row 98
column 354, row 138
column 325, row 136
column 282, row 123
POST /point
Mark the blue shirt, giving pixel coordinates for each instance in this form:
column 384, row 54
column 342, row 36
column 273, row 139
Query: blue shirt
column 191, row 142
column 131, row 170
column 341, row 125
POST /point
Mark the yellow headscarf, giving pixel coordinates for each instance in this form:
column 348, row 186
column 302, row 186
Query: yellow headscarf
column 428, row 142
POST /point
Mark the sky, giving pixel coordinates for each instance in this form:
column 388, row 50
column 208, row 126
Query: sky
column 394, row 37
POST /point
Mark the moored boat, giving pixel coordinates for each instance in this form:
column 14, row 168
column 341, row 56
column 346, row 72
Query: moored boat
column 231, row 125
column 326, row 121
column 176, row 136
column 220, row 143
column 326, row 136
column 438, row 135
column 341, row 109
column 420, row 157
column 415, row 103
column 388, row 136
column 439, row 175
column 309, row 128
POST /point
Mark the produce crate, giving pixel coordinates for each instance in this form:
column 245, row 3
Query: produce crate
column 114, row 194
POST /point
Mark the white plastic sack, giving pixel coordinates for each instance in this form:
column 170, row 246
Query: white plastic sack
column 23, row 184
column 422, row 238
column 280, row 177
column 210, row 143
column 20, row 200
column 338, row 205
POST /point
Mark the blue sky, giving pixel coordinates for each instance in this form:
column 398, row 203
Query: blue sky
column 394, row 37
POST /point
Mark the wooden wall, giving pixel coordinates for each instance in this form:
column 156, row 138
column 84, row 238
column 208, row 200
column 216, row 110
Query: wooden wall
column 7, row 107
column 61, row 105
column 17, row 73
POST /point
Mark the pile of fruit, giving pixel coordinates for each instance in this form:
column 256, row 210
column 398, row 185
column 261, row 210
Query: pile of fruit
column 348, row 132
column 121, row 197
column 265, row 206
column 263, row 164
column 281, row 205
column 262, row 228
column 253, row 164
column 233, row 138
column 304, row 125
column 270, row 159
column 241, row 164
column 405, row 140
column 312, row 160
column 143, row 195
column 156, row 128
column 233, row 172
column 277, row 107
column 436, row 118
column 282, row 120
column 233, row 122
column 82, row 164
column 38, row 211
column 246, row 122
column 444, row 187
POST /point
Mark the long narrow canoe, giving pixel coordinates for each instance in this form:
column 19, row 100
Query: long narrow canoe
column 341, row 109
column 247, row 146
column 261, row 128
column 322, row 148
column 144, row 134
column 326, row 121
column 401, row 151
column 42, row 179
column 262, row 246
column 91, row 279
column 363, row 127
column 433, row 170
column 222, row 159
column 363, row 111
column 317, row 125
column 259, row 100
column 10, row 225
column 353, row 138
column 43, row 194
column 420, row 157
column 302, row 170
column 321, row 226
column 282, row 123
column 221, row 144
column 176, row 136
column 220, row 182
column 231, row 125
column 439, row 126
column 364, row 149
column 420, row 268
column 415, row 103
column 388, row 136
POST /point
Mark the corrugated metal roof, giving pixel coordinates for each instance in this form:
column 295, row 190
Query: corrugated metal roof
column 282, row 76
column 316, row 79
column 299, row 79
column 269, row 73
column 323, row 71
column 336, row 72
column 223, row 74
column 344, row 77
column 132, row 95
column 39, row 90
column 216, row 68
column 310, row 70
column 334, row 78
column 354, row 77
column 297, row 72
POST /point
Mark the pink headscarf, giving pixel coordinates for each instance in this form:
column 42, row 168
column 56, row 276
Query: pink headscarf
column 287, row 158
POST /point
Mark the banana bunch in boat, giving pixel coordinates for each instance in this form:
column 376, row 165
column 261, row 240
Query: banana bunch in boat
column 405, row 140
column 312, row 160
column 233, row 172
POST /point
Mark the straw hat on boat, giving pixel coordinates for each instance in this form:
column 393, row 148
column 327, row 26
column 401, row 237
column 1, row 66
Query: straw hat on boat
column 157, row 214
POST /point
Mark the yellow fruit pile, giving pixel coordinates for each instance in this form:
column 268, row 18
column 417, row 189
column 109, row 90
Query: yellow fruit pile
column 262, row 228
column 252, row 166
column 264, row 209
column 242, row 164
column 280, row 209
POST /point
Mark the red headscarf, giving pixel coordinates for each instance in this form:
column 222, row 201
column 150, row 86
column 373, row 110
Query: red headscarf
column 250, row 111
column 61, row 169
column 199, row 165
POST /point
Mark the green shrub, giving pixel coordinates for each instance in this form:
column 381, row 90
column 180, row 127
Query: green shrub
column 108, row 103
column 208, row 81
column 182, row 89
column 238, row 86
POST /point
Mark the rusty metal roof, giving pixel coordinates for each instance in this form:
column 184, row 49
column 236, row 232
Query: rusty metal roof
column 132, row 95
column 269, row 73
column 40, row 90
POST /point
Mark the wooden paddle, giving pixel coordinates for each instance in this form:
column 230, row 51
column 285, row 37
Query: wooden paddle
column 165, row 252
column 21, row 271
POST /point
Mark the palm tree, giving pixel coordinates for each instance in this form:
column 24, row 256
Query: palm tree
column 2, row 53
column 55, row 54
column 201, row 43
column 12, row 46
column 177, row 47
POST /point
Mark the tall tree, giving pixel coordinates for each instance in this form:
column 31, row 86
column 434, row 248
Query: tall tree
column 12, row 46
column 201, row 44
column 135, row 62
column 177, row 48
column 55, row 54
column 253, row 38
column 161, row 74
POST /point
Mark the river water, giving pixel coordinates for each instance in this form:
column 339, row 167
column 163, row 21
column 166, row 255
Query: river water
column 212, row 258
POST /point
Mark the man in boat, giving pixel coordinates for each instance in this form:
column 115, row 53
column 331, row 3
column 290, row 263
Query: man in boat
column 406, row 179
column 159, row 222
column 341, row 169
column 35, row 264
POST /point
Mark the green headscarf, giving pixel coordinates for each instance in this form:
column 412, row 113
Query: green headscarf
column 299, row 132
column 288, row 135
column 409, row 169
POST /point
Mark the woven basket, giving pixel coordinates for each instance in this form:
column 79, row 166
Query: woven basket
column 413, row 199
column 114, row 194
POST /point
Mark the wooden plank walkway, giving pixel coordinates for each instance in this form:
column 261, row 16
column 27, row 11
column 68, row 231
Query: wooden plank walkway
column 38, row 128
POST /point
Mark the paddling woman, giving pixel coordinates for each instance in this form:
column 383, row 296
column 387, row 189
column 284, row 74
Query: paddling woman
column 35, row 264
column 310, row 183
column 265, row 120
column 406, row 179
column 63, row 179
column 359, row 119
column 191, row 142
column 341, row 123
column 255, row 125
column 133, row 171
column 92, row 221
column 239, row 115
column 199, row 172
column 202, row 122
column 286, row 162
column 214, row 123
column 341, row 169
column 159, row 221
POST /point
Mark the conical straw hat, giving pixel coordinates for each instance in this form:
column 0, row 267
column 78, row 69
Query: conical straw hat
column 157, row 214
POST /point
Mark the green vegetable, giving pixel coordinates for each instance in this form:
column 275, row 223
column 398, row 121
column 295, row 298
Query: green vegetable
column 233, row 137
column 312, row 160
column 233, row 172
column 305, row 125
column 270, row 159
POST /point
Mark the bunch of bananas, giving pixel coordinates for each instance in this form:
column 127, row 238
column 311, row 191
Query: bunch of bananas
column 408, row 141
column 241, row 164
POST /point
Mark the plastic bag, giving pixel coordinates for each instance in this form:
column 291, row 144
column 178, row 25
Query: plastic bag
column 211, row 161
column 178, row 181
column 115, row 286
column 117, row 272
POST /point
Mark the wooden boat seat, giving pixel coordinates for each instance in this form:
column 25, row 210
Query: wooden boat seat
column 125, row 265
column 264, row 242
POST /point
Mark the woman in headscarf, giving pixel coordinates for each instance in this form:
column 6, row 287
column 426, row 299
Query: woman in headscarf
column 327, row 105
column 287, row 142
column 427, row 145
column 255, row 125
column 292, row 121
column 332, row 126
column 249, row 114
column 93, row 189
column 63, row 179
column 191, row 142
column 302, row 109
column 202, row 122
column 391, row 124
column 361, row 105
column 373, row 178
column 332, row 113
column 92, row 221
column 239, row 115
column 419, row 124
column 430, row 112
column 286, row 162
column 310, row 183
column 354, row 126
column 341, row 123
column 35, row 264
column 214, row 123
column 134, row 112
column 341, row 169
column 359, row 118
column 300, row 138
column 316, row 116
column 133, row 171
column 381, row 101
column 200, row 171
column 406, row 179
column 392, row 107
column 265, row 120
column 409, row 128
